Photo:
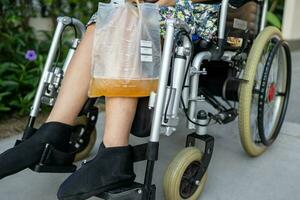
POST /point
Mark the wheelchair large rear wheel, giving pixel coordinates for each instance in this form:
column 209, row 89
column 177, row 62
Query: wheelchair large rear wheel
column 179, row 179
column 264, row 93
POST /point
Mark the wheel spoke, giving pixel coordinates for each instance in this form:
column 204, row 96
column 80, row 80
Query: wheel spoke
column 280, row 94
column 268, row 124
column 185, row 184
column 187, row 177
column 268, row 106
column 254, row 127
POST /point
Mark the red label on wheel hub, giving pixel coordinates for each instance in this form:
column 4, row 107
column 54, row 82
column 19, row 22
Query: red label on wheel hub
column 271, row 92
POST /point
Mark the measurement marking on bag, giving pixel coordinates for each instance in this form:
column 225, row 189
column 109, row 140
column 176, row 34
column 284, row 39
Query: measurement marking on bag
column 146, row 43
column 145, row 58
column 146, row 51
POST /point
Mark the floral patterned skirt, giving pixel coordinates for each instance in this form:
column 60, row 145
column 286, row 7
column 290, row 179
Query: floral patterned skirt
column 203, row 17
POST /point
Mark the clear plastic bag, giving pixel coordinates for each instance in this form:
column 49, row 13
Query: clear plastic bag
column 127, row 50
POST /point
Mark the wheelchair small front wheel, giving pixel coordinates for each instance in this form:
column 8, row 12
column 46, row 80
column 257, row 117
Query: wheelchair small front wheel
column 264, row 93
column 179, row 179
column 82, row 141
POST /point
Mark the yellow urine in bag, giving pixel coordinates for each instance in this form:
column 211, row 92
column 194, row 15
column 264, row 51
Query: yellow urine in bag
column 121, row 87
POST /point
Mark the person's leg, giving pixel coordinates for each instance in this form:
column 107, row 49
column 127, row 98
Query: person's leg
column 73, row 92
column 57, row 130
column 112, row 167
column 119, row 116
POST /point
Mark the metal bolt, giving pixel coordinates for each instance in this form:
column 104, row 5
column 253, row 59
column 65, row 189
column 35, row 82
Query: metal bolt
column 209, row 151
column 140, row 191
column 187, row 51
column 93, row 118
column 84, row 162
column 197, row 182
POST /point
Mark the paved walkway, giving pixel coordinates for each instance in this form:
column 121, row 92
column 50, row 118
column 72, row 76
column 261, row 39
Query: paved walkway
column 232, row 174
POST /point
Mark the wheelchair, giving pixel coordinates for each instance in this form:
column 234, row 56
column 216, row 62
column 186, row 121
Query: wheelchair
column 244, row 72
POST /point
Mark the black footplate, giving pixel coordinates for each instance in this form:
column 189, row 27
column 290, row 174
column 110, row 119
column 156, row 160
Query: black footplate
column 52, row 160
column 53, row 169
column 55, row 161
column 135, row 191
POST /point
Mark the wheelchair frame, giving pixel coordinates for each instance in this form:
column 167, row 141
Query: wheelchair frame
column 186, row 71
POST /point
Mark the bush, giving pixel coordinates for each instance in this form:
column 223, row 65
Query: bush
column 74, row 8
column 275, row 13
column 22, row 54
column 20, row 68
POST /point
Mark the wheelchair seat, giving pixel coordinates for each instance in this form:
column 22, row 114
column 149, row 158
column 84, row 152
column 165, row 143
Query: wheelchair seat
column 238, row 3
column 242, row 23
column 243, row 18
column 235, row 3
column 212, row 2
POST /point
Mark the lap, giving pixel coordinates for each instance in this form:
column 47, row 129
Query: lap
column 203, row 17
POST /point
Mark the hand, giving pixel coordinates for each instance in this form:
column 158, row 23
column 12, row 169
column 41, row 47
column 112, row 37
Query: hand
column 166, row 2
column 141, row 1
column 150, row 1
column 133, row 1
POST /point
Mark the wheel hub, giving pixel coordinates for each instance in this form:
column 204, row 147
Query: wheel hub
column 188, row 184
column 271, row 92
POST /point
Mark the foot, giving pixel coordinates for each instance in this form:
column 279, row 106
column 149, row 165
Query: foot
column 111, row 168
column 29, row 152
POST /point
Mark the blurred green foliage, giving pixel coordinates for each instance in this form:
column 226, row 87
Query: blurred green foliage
column 75, row 8
column 19, row 76
column 275, row 13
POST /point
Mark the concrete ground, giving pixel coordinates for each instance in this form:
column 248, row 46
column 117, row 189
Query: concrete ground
column 232, row 174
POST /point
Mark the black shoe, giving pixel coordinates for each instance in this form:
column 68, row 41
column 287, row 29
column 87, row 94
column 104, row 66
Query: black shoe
column 110, row 169
column 29, row 152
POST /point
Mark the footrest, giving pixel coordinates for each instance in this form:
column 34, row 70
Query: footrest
column 53, row 169
column 132, row 192
column 52, row 160
column 55, row 161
